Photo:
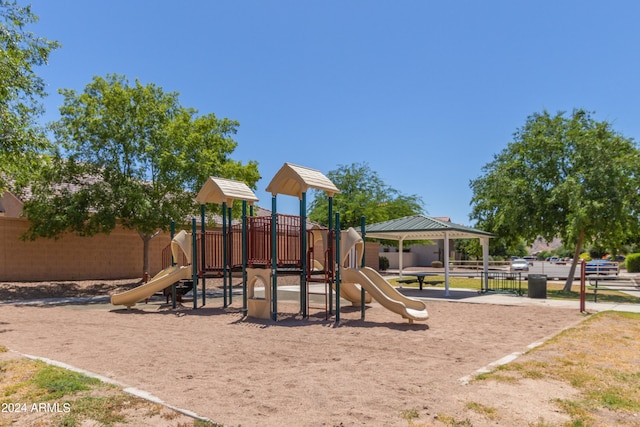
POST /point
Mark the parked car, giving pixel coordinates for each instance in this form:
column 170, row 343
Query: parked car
column 601, row 266
column 519, row 265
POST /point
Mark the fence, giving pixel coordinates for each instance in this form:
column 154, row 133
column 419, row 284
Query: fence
column 503, row 282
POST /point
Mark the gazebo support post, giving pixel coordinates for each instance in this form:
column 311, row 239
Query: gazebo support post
column 446, row 263
column 401, row 251
column 485, row 261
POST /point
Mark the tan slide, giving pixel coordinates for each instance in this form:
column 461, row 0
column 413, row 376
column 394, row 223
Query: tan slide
column 160, row 281
column 384, row 293
column 181, row 244
column 351, row 292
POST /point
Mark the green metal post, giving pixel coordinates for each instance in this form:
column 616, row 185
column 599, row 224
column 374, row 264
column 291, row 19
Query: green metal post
column 224, row 255
column 362, row 232
column 244, row 258
column 329, row 243
column 202, row 254
column 230, row 254
column 274, row 261
column 173, row 262
column 303, row 254
column 337, row 267
column 194, row 262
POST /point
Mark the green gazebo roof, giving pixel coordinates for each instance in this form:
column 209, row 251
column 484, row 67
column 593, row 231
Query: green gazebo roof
column 420, row 227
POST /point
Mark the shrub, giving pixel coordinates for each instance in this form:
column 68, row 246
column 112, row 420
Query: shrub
column 633, row 263
column 585, row 256
column 383, row 263
column 436, row 264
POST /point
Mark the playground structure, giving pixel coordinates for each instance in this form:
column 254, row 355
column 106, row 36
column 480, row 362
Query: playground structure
column 260, row 248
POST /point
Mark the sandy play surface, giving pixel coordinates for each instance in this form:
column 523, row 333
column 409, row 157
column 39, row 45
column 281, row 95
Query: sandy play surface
column 294, row 372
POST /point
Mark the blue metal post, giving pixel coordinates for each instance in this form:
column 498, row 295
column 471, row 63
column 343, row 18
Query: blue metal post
column 337, row 267
column 194, row 262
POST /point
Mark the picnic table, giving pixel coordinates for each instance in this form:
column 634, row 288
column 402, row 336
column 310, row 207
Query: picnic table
column 419, row 277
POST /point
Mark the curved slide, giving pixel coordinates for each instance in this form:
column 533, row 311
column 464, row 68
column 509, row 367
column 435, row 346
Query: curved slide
column 164, row 279
column 351, row 292
column 383, row 292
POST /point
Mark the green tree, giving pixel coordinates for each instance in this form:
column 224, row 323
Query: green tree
column 569, row 177
column 130, row 154
column 21, row 139
column 362, row 192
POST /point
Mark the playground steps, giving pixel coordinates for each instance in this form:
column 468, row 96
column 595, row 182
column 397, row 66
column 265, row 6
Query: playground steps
column 183, row 287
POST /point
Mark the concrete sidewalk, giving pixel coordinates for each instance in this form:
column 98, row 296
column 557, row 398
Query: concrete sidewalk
column 475, row 297
column 471, row 296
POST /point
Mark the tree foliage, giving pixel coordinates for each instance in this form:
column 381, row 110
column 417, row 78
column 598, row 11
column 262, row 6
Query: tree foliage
column 362, row 193
column 129, row 154
column 21, row 51
column 569, row 177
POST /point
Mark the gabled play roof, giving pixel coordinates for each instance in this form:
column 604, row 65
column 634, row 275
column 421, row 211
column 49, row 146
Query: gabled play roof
column 293, row 180
column 420, row 227
column 222, row 190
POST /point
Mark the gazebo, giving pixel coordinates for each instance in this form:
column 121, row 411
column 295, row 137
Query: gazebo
column 420, row 227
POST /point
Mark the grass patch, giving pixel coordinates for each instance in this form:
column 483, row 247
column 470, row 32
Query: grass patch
column 410, row 414
column 454, row 422
column 599, row 358
column 488, row 411
column 53, row 383
column 49, row 395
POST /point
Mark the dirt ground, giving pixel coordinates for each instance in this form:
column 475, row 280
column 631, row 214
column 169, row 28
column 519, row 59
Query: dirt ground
column 294, row 372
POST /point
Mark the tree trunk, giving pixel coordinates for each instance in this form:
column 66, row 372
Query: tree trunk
column 146, row 239
column 574, row 263
column 146, row 244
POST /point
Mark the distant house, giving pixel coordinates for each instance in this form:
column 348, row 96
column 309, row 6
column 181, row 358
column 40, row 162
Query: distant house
column 10, row 205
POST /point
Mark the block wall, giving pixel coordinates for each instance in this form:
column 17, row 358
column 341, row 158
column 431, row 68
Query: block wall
column 117, row 255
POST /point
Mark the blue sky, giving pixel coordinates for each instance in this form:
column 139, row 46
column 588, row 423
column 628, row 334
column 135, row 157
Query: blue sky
column 424, row 92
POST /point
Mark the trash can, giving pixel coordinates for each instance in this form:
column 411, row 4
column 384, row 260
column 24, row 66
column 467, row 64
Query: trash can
column 537, row 284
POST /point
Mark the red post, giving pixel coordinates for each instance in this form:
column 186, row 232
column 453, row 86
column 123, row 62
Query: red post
column 583, row 288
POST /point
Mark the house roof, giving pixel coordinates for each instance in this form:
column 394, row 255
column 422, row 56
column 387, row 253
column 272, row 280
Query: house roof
column 420, row 227
column 293, row 180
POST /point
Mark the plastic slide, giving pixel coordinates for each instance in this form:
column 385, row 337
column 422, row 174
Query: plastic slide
column 351, row 292
column 348, row 291
column 164, row 279
column 180, row 244
column 384, row 293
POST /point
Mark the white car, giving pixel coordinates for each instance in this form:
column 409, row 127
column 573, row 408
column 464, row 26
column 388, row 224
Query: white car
column 519, row 265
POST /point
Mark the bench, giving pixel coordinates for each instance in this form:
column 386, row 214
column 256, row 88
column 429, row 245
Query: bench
column 617, row 287
column 420, row 280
